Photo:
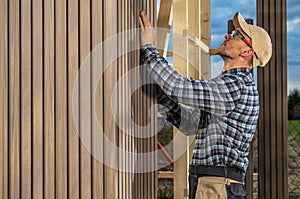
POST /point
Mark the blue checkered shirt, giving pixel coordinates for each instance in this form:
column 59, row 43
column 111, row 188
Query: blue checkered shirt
column 231, row 99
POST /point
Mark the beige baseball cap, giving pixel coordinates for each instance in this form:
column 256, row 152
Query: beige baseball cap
column 260, row 40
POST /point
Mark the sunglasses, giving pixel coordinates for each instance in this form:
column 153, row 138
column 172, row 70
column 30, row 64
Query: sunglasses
column 237, row 33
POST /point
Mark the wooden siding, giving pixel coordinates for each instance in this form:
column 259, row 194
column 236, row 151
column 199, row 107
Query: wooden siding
column 272, row 85
column 46, row 151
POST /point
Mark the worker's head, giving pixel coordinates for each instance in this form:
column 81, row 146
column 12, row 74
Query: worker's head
column 247, row 46
column 257, row 38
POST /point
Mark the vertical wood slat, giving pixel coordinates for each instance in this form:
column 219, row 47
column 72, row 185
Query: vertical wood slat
column 163, row 21
column 272, row 85
column 283, row 140
column 121, row 159
column 14, row 99
column 26, row 105
column 49, row 101
column 110, row 79
column 4, row 99
column 205, row 72
column 49, row 128
column 97, row 100
column 73, row 65
column 128, row 140
column 180, row 57
column 37, row 99
column 85, row 99
column 273, row 106
column 60, row 100
column 153, row 146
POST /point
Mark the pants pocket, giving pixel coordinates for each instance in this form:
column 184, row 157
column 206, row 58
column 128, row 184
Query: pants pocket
column 235, row 191
column 211, row 191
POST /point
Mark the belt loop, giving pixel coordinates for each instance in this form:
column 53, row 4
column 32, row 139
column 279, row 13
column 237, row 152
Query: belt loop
column 225, row 172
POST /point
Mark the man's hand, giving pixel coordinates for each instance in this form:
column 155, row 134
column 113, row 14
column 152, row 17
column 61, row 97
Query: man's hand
column 147, row 31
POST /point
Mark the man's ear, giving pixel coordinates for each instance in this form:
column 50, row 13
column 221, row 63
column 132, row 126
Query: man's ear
column 248, row 52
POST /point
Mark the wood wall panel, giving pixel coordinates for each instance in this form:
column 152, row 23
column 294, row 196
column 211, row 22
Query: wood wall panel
column 14, row 99
column 97, row 100
column 4, row 99
column 37, row 99
column 26, row 100
column 73, row 66
column 45, row 152
column 61, row 162
column 272, row 85
column 49, row 99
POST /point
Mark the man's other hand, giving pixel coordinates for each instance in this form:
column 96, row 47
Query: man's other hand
column 147, row 31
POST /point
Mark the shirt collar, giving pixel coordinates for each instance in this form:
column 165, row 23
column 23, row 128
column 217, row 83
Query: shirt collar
column 237, row 70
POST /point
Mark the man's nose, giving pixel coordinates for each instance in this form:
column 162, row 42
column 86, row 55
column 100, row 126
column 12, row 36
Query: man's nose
column 227, row 36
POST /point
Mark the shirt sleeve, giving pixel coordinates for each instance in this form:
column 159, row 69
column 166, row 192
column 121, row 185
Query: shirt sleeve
column 215, row 96
column 188, row 120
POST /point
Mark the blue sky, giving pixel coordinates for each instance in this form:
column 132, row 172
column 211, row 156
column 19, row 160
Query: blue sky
column 293, row 43
column 222, row 11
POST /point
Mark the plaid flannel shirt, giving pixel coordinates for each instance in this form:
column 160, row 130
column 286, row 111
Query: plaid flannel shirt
column 231, row 98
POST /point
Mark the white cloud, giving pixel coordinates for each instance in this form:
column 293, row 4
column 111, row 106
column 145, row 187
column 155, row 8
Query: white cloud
column 293, row 25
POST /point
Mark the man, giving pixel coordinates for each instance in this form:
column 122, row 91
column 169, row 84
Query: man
column 223, row 111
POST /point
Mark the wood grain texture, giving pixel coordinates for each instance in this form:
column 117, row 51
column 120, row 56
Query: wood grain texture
column 14, row 99
column 61, row 99
column 37, row 99
column 4, row 99
column 26, row 100
column 42, row 47
column 73, row 101
column 49, row 99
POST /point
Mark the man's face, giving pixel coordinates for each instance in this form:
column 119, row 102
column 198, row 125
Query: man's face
column 233, row 45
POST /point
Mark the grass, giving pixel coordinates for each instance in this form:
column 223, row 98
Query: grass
column 294, row 129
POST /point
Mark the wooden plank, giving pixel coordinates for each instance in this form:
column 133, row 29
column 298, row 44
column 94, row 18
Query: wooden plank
column 73, row 134
column 180, row 50
column 180, row 43
column 49, row 97
column 263, row 131
column 205, row 32
column 85, row 100
column 129, row 140
column 163, row 23
column 152, row 146
column 273, row 106
column 110, row 79
column 205, row 23
column 61, row 99
column 273, row 124
column 37, row 99
column 97, row 100
column 26, row 106
column 165, row 174
column 4, row 99
column 284, row 112
column 128, row 144
column 195, row 41
column 194, row 18
column 14, row 99
column 121, row 92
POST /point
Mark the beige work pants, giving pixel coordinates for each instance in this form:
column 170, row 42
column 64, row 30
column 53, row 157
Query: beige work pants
column 212, row 187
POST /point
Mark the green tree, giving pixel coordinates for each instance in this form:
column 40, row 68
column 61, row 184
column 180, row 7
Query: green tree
column 294, row 105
